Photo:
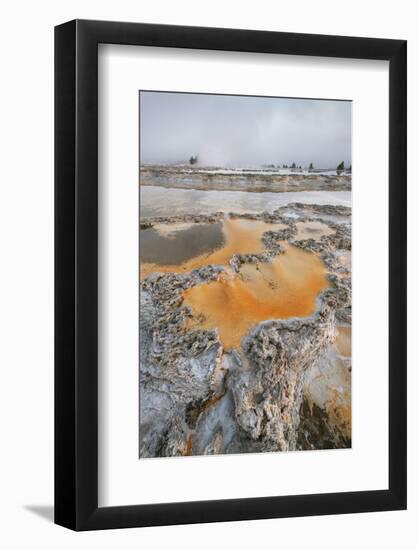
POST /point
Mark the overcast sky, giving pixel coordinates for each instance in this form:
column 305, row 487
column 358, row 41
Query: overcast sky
column 243, row 131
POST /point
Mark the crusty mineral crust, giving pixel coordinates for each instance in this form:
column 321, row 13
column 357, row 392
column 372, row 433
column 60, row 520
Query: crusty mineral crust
column 279, row 353
column 181, row 177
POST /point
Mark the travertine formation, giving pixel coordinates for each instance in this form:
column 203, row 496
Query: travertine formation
column 254, row 181
column 270, row 394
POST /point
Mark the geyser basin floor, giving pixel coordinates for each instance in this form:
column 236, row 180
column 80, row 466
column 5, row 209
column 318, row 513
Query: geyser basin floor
column 203, row 392
column 286, row 287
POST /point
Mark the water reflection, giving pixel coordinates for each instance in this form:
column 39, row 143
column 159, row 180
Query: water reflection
column 158, row 201
column 161, row 247
column 240, row 236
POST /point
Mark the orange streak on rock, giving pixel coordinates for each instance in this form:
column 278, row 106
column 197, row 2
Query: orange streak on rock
column 189, row 447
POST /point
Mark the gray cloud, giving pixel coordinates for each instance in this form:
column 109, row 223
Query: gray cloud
column 243, row 131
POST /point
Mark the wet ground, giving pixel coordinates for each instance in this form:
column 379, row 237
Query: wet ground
column 160, row 201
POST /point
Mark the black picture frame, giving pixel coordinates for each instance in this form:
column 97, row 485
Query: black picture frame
column 76, row 272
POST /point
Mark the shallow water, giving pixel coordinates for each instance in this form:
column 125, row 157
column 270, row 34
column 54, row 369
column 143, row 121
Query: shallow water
column 312, row 230
column 238, row 236
column 159, row 201
column 287, row 287
column 161, row 247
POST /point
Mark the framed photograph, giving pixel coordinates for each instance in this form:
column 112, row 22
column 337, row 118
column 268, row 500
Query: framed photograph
column 230, row 284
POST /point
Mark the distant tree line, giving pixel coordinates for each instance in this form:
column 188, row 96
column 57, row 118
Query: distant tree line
column 340, row 167
column 293, row 166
